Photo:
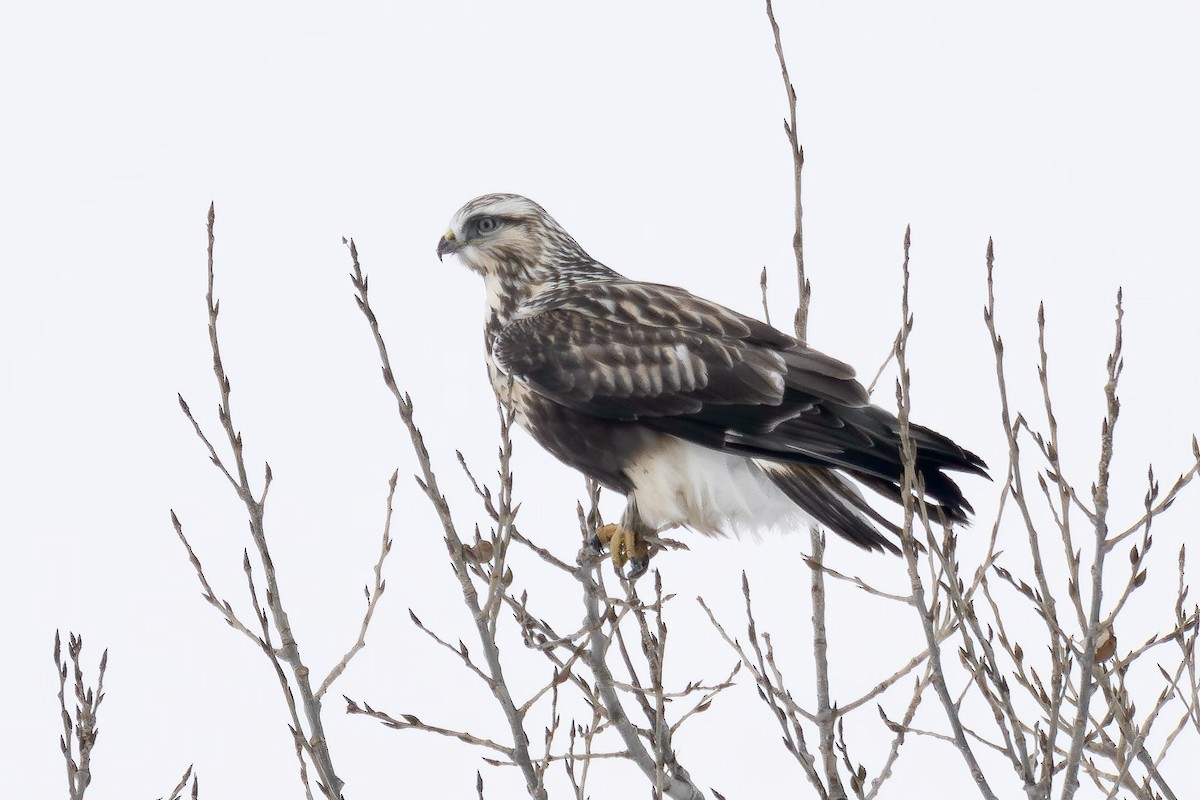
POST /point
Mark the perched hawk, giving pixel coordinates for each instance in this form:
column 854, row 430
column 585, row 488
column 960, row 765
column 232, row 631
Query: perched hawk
column 699, row 415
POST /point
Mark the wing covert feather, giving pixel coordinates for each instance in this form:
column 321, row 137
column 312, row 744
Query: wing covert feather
column 629, row 350
column 622, row 371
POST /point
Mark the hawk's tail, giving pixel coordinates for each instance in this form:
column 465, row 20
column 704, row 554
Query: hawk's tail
column 834, row 501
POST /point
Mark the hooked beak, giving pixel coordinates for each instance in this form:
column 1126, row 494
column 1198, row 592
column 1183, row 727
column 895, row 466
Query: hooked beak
column 447, row 244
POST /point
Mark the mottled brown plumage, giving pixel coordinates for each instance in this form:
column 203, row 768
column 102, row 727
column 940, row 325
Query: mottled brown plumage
column 701, row 416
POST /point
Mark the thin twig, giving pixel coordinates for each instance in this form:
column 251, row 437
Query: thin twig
column 826, row 720
column 79, row 731
column 676, row 783
column 177, row 792
column 454, row 544
column 909, row 545
column 315, row 743
column 1087, row 664
column 789, row 127
column 373, row 594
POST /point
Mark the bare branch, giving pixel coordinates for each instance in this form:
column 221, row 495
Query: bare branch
column 410, row 722
column 1087, row 665
column 826, row 720
column 789, row 127
column 79, row 729
column 454, row 544
column 177, row 792
column 675, row 782
column 908, row 490
column 373, row 594
column 316, row 744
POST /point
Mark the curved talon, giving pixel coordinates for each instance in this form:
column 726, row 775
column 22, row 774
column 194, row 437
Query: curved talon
column 610, row 536
column 625, row 546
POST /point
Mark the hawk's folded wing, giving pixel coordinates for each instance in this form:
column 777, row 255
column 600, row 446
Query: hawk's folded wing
column 637, row 351
column 684, row 366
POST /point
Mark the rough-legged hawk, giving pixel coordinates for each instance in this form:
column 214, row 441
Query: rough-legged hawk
column 699, row 415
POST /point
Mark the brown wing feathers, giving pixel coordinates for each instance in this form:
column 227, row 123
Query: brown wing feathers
column 693, row 369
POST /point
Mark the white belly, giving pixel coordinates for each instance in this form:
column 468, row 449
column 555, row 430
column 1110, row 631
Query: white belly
column 680, row 483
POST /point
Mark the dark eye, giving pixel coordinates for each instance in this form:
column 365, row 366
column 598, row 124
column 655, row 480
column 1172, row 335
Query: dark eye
column 487, row 224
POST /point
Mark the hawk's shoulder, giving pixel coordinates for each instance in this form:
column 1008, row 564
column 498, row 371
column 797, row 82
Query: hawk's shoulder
column 635, row 303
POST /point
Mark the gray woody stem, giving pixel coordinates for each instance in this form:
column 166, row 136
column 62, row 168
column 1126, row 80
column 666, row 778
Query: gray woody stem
column 909, row 545
column 314, row 742
column 454, row 545
column 789, row 127
column 1087, row 664
column 677, row 783
column 826, row 719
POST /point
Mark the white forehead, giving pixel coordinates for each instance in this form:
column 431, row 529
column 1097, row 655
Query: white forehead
column 500, row 205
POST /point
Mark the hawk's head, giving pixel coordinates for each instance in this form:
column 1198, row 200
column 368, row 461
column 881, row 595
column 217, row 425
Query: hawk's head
column 510, row 237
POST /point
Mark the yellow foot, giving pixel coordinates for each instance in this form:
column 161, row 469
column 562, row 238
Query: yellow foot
column 625, row 546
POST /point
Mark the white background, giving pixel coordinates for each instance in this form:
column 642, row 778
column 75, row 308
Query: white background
column 1065, row 131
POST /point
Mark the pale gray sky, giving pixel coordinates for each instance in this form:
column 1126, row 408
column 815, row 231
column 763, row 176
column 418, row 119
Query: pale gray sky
column 653, row 132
